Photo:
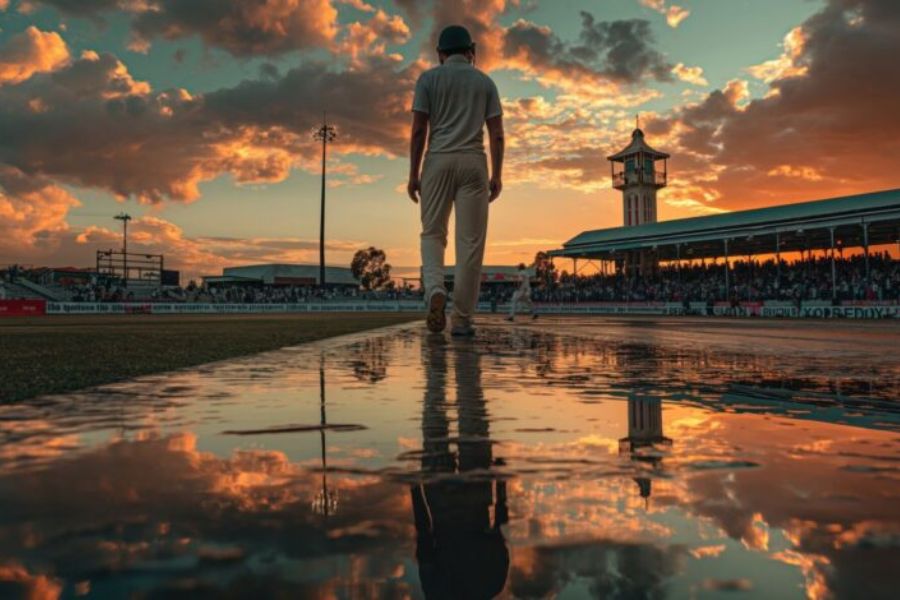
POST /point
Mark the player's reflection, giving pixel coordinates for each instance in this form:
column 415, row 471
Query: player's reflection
column 460, row 548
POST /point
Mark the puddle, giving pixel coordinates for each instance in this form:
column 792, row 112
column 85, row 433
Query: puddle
column 527, row 463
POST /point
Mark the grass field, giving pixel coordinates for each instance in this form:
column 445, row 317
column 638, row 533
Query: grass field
column 47, row 355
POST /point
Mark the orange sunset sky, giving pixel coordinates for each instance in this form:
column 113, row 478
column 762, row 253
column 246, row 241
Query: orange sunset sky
column 195, row 117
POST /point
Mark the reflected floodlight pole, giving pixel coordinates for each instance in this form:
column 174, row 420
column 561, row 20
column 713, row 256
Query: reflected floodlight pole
column 325, row 498
column 326, row 501
column 324, row 134
column 124, row 217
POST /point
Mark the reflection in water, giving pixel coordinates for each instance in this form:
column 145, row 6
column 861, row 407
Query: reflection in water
column 645, row 437
column 785, row 485
column 460, row 548
column 326, row 500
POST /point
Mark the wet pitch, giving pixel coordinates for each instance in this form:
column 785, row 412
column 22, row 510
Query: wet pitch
column 569, row 459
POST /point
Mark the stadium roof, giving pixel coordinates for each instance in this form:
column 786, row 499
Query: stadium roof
column 806, row 225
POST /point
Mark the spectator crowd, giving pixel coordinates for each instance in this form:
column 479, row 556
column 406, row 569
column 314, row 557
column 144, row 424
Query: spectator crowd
column 807, row 280
column 747, row 281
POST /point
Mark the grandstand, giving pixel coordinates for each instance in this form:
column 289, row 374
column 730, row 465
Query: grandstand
column 860, row 221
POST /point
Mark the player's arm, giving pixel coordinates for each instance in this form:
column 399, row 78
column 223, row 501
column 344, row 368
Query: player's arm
column 417, row 138
column 498, row 149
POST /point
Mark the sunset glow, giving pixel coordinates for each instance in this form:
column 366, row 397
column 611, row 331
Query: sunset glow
column 197, row 120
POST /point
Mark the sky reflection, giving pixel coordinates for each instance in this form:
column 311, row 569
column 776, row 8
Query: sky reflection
column 524, row 464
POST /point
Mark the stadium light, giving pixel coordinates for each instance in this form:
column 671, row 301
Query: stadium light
column 324, row 134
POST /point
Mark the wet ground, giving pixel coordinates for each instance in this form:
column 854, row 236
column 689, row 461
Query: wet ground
column 572, row 458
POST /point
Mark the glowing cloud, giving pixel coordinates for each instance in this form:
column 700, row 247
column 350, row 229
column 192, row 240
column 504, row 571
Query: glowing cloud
column 32, row 51
column 674, row 14
column 692, row 75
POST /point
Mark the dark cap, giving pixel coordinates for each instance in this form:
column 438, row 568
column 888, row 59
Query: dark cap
column 455, row 37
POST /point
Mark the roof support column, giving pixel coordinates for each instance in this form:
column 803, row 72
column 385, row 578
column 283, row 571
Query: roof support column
column 727, row 274
column 833, row 267
column 865, row 228
column 778, row 260
column 749, row 273
column 678, row 254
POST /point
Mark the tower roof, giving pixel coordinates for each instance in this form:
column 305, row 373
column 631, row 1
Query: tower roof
column 638, row 144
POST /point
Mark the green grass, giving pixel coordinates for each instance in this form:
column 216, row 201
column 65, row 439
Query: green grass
column 48, row 355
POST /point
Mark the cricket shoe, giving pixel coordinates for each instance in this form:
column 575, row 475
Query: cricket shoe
column 437, row 317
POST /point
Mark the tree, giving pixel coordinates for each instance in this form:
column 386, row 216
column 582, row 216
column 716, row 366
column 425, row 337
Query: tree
column 369, row 266
column 545, row 270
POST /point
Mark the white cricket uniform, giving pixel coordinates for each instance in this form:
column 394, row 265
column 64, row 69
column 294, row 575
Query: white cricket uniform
column 522, row 295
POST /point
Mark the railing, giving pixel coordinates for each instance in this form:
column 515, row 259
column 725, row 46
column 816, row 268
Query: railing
column 621, row 178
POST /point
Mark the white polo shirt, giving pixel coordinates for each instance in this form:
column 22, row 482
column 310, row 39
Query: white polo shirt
column 458, row 99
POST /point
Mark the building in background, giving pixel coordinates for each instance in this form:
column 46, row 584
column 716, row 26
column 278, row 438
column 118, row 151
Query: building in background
column 281, row 275
column 639, row 172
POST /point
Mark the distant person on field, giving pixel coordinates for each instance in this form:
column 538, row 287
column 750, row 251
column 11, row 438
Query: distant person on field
column 452, row 103
column 522, row 295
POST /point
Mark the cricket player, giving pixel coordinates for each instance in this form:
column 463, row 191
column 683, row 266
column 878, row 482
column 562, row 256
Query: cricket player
column 451, row 106
column 522, row 295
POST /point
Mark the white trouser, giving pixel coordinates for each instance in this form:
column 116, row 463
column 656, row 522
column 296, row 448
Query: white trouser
column 460, row 180
column 521, row 298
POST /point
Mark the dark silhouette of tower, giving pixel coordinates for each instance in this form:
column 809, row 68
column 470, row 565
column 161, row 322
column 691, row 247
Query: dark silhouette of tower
column 645, row 430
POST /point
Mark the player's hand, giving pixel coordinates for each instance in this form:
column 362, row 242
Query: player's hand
column 414, row 189
column 496, row 188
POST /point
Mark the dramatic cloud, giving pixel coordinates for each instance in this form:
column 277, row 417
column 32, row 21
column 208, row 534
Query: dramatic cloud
column 692, row 75
column 674, row 14
column 616, row 51
column 244, row 28
column 827, row 127
column 789, row 64
column 375, row 126
column 32, row 51
column 608, row 54
column 481, row 17
column 364, row 40
column 76, row 8
column 412, row 9
column 32, row 212
column 160, row 146
column 16, row 580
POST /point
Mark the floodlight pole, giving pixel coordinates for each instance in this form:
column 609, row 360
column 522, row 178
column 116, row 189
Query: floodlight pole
column 323, row 134
column 124, row 217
